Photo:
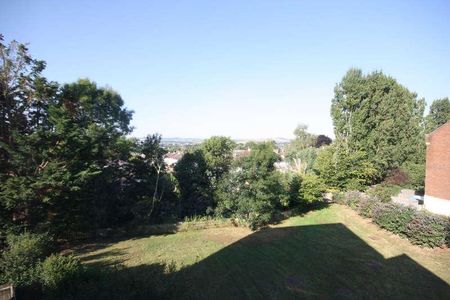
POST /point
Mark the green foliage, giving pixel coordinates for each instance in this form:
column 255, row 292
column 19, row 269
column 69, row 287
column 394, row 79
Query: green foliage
column 302, row 160
column 303, row 139
column 415, row 174
column 352, row 198
column 322, row 140
column 439, row 114
column 290, row 186
column 59, row 273
column 218, row 153
column 301, row 152
column 261, row 159
column 20, row 262
column 66, row 165
column 247, row 198
column 250, row 192
column 343, row 169
column 393, row 217
column 293, row 189
column 194, row 184
column 420, row 227
column 426, row 229
column 383, row 192
column 312, row 189
column 367, row 206
column 396, row 176
column 375, row 114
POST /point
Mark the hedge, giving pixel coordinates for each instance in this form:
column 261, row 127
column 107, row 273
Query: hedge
column 420, row 227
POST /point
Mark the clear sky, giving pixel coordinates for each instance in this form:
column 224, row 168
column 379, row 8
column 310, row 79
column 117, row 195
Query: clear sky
column 245, row 69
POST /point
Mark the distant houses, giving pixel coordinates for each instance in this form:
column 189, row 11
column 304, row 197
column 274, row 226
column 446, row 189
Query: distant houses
column 437, row 178
column 239, row 153
column 171, row 159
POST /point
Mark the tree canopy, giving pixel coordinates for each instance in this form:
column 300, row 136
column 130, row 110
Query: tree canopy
column 375, row 114
column 439, row 114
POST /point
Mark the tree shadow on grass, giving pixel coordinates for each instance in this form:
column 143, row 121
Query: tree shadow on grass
column 312, row 262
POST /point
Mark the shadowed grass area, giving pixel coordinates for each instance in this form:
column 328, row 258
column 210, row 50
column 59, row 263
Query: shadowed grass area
column 331, row 253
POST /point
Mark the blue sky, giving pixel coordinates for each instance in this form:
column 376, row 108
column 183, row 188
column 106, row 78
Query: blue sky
column 245, row 69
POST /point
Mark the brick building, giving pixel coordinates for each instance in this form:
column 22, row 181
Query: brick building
column 437, row 178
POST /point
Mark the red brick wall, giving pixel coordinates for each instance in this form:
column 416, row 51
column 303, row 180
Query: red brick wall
column 437, row 179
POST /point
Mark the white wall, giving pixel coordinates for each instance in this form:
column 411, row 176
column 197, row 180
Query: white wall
column 437, row 205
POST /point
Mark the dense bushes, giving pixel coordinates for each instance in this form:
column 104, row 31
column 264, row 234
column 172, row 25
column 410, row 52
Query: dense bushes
column 415, row 174
column 20, row 262
column 393, row 217
column 420, row 227
column 383, row 192
column 312, row 188
column 426, row 229
column 248, row 203
column 60, row 272
column 26, row 264
column 342, row 169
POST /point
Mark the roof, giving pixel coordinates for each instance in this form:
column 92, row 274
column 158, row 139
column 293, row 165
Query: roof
column 428, row 136
column 174, row 155
column 439, row 128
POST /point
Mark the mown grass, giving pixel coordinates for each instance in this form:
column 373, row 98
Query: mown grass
column 330, row 253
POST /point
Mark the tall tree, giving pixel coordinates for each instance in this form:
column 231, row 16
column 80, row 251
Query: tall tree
column 194, row 185
column 376, row 114
column 343, row 169
column 25, row 96
column 218, row 153
column 439, row 114
column 322, row 140
column 300, row 152
column 250, row 192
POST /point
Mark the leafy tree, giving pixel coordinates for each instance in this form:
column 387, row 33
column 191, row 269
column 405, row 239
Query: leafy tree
column 375, row 114
column 300, row 152
column 303, row 162
column 218, row 152
column 303, row 139
column 439, row 114
column 312, row 189
column 20, row 260
column 262, row 158
column 343, row 169
column 65, row 163
column 191, row 173
column 322, row 140
column 147, row 188
column 24, row 99
column 250, row 192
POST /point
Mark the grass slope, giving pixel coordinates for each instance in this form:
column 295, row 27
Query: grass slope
column 330, row 253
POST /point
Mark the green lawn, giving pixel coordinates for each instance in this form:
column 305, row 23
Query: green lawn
column 330, row 253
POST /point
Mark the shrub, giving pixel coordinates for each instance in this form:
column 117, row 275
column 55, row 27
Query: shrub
column 60, row 272
column 427, row 229
column 249, row 200
column 338, row 197
column 448, row 234
column 351, row 198
column 367, row 205
column 393, row 217
column 420, row 227
column 416, row 175
column 383, row 192
column 312, row 188
column 397, row 176
column 20, row 261
column 343, row 169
